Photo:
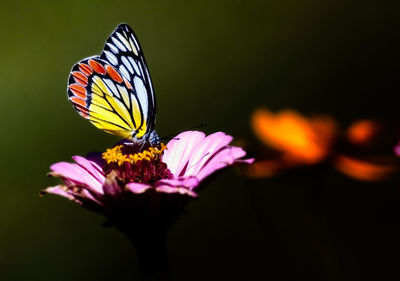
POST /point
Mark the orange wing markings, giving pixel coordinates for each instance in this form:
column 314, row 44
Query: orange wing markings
column 85, row 92
column 81, row 105
column 97, row 67
column 127, row 84
column 113, row 74
column 80, row 78
column 78, row 101
column 78, row 90
column 85, row 69
column 83, row 112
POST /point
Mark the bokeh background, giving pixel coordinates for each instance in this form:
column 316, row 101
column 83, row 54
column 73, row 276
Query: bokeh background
column 212, row 62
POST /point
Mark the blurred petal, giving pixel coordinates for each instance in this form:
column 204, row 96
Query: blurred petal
column 362, row 131
column 263, row 169
column 363, row 170
column 396, row 149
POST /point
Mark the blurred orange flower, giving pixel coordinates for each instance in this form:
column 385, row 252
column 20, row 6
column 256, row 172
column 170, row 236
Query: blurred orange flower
column 301, row 140
column 309, row 141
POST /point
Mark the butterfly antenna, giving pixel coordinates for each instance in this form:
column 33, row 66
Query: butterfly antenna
column 203, row 124
column 171, row 136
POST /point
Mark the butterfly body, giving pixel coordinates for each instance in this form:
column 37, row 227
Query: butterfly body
column 114, row 90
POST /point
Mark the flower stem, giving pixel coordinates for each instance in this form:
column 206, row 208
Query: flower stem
column 152, row 254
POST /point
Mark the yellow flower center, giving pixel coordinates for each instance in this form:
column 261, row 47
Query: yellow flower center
column 115, row 155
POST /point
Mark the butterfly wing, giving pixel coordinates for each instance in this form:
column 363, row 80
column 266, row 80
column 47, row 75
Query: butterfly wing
column 114, row 90
column 100, row 93
column 123, row 51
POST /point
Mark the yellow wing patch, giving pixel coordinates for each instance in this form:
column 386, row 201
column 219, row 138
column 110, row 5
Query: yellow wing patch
column 108, row 113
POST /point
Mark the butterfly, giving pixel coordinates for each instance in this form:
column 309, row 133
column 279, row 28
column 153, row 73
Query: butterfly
column 114, row 90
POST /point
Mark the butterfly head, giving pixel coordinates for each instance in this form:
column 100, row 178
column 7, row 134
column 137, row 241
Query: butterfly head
column 151, row 139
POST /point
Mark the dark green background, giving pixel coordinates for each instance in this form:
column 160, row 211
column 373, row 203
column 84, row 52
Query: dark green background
column 212, row 62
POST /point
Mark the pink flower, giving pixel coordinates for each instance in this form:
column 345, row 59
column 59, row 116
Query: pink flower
column 127, row 174
column 396, row 149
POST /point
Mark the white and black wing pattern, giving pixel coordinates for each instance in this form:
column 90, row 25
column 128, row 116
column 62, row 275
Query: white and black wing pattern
column 122, row 50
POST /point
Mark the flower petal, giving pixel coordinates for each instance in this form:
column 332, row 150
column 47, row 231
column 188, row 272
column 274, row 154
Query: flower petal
column 78, row 195
column 77, row 174
column 173, row 189
column 205, row 150
column 137, row 187
column 179, row 150
column 60, row 190
column 188, row 182
column 182, row 185
column 111, row 187
column 91, row 167
column 227, row 156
